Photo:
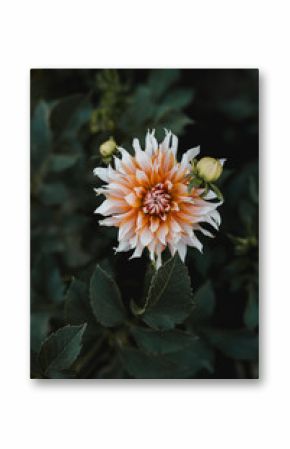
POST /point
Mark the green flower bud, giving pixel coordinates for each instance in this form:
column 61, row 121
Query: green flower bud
column 209, row 169
column 108, row 148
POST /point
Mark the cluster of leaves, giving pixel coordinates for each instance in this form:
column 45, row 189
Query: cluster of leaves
column 96, row 315
column 106, row 339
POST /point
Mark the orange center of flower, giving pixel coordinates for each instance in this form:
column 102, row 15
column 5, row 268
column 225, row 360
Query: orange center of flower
column 157, row 201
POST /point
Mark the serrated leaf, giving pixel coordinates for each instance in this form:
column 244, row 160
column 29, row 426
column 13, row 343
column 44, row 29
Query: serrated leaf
column 61, row 349
column 169, row 299
column 158, row 342
column 78, row 310
column 105, row 299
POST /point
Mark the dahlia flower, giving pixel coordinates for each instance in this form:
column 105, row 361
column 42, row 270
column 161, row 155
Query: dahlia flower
column 147, row 198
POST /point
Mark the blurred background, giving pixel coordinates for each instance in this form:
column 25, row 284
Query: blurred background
column 72, row 113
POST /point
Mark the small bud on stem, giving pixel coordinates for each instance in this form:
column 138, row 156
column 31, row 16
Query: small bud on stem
column 209, row 169
column 108, row 148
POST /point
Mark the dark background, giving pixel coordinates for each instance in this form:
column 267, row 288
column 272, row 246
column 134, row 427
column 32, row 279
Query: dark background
column 72, row 113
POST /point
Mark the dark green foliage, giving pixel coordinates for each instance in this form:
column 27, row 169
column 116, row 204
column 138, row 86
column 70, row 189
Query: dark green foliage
column 41, row 136
column 240, row 345
column 106, row 299
column 77, row 307
column 68, row 115
column 205, row 302
column 162, row 342
column 61, row 162
column 169, row 300
column 99, row 315
column 157, row 104
column 145, row 366
column 39, row 326
column 185, row 362
column 251, row 315
column 47, row 282
column 60, row 350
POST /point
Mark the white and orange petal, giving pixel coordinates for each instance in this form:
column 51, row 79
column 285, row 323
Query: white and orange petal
column 148, row 200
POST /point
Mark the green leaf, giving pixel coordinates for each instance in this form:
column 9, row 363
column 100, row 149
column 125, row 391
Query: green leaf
column 78, row 310
column 106, row 299
column 61, row 162
column 158, row 342
column 239, row 345
column 61, row 349
column 251, row 314
column 169, row 299
column 205, row 302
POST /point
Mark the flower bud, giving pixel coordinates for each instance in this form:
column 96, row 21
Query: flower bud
column 209, row 169
column 108, row 148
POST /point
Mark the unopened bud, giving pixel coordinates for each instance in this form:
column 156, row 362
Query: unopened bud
column 209, row 169
column 108, row 148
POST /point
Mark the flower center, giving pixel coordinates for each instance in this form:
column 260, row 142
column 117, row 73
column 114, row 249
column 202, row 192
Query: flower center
column 157, row 201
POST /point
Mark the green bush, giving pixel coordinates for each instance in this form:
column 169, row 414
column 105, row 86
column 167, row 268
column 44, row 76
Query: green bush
column 98, row 315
